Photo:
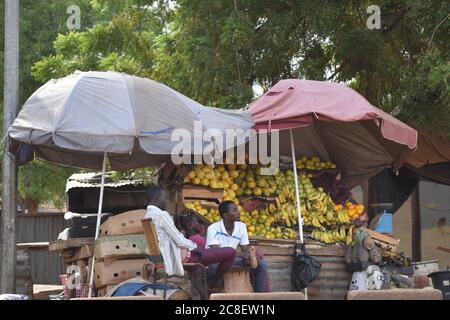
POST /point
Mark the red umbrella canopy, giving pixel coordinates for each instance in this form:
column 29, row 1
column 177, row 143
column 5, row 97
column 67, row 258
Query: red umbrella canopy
column 336, row 123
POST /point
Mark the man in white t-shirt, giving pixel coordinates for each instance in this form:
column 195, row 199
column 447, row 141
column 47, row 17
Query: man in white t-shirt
column 231, row 232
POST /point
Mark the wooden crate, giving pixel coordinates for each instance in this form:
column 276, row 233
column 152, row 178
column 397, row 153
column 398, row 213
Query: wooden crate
column 69, row 244
column 384, row 241
column 207, row 204
column 192, row 193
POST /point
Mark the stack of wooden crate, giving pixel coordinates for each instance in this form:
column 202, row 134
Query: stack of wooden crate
column 120, row 251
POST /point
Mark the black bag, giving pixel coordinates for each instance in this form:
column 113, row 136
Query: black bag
column 304, row 270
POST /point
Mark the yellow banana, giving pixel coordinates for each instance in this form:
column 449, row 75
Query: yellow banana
column 277, row 201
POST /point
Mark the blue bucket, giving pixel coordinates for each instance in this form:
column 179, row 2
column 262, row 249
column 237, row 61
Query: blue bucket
column 385, row 223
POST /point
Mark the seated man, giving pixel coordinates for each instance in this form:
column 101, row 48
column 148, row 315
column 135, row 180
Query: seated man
column 230, row 232
column 195, row 231
column 172, row 242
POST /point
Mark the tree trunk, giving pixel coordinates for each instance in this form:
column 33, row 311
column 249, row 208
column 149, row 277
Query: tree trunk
column 31, row 205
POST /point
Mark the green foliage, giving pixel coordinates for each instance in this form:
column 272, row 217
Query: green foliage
column 215, row 51
column 44, row 183
column 141, row 175
column 40, row 23
column 428, row 104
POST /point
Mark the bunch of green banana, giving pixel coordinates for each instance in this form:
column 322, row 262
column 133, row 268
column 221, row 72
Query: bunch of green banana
column 272, row 209
column 289, row 233
column 314, row 220
column 349, row 238
column 330, row 236
column 342, row 217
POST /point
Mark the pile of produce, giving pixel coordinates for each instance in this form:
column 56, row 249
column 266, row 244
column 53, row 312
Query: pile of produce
column 363, row 249
column 395, row 258
column 329, row 221
column 314, row 164
column 329, row 183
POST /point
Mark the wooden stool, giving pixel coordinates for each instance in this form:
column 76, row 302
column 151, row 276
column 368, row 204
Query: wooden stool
column 237, row 280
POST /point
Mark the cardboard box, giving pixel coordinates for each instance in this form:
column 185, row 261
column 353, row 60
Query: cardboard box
column 425, row 267
column 117, row 271
column 121, row 246
column 125, row 223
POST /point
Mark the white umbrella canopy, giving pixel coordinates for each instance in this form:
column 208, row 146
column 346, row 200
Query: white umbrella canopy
column 87, row 117
column 72, row 121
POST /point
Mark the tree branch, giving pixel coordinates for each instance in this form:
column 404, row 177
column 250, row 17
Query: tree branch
column 432, row 36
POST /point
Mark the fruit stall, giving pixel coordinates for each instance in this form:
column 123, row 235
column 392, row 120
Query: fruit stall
column 335, row 227
column 268, row 207
column 336, row 231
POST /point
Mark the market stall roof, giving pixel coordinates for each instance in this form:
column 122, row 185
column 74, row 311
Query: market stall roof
column 73, row 121
column 431, row 161
column 438, row 172
column 335, row 123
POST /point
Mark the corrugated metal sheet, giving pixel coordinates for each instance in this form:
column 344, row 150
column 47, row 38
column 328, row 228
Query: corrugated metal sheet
column 280, row 276
column 93, row 180
column 333, row 280
column 279, row 255
column 43, row 227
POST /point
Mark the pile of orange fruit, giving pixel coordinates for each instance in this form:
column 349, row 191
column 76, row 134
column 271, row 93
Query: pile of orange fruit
column 353, row 210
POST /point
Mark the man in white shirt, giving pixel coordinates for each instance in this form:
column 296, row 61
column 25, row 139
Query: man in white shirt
column 231, row 232
column 172, row 241
column 169, row 237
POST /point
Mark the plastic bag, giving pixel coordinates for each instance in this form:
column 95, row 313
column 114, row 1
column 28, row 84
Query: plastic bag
column 304, row 270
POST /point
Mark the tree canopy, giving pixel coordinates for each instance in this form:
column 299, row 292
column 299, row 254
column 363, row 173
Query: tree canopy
column 216, row 51
column 40, row 23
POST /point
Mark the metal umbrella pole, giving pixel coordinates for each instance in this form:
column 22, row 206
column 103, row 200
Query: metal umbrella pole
column 297, row 196
column 99, row 218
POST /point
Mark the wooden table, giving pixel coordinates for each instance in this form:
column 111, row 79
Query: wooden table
column 76, row 252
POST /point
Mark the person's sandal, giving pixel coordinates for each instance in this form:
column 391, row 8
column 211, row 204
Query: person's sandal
column 253, row 260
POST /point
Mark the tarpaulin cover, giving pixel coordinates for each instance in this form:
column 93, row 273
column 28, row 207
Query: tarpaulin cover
column 430, row 162
column 335, row 123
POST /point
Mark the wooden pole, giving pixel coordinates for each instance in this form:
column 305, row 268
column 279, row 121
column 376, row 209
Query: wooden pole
column 9, row 171
column 416, row 238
